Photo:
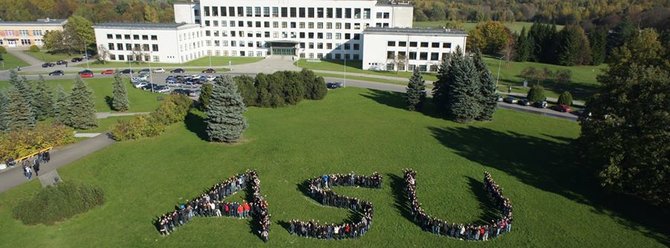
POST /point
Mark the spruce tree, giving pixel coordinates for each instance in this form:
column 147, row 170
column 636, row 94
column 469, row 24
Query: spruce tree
column 416, row 91
column 225, row 120
column 522, row 46
column 205, row 94
column 598, row 42
column 3, row 107
column 464, row 96
column 119, row 94
column 18, row 113
column 43, row 101
column 60, row 106
column 441, row 85
column 80, row 113
column 487, row 89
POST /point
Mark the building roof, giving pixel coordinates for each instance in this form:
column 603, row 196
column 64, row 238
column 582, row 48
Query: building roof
column 40, row 22
column 144, row 26
column 415, row 31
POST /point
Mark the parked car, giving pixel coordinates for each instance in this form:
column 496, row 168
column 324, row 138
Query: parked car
column 510, row 99
column 57, row 73
column 107, row 72
column 189, row 84
column 145, row 70
column 77, row 59
column 210, row 78
column 540, row 104
column 161, row 89
column 140, row 84
column 499, row 98
column 126, row 71
column 48, row 64
column 139, row 78
column 186, row 92
column 61, row 62
column 149, row 86
column 524, row 102
column 178, row 70
column 562, row 108
column 334, row 85
column 159, row 70
column 209, row 70
column 86, row 74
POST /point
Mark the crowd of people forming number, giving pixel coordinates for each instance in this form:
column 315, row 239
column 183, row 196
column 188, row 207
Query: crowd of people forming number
column 462, row 231
column 320, row 189
column 211, row 204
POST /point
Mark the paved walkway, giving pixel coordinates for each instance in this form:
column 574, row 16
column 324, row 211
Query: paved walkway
column 25, row 57
column 103, row 115
column 60, row 157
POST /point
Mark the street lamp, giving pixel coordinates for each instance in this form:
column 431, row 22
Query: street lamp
column 498, row 77
column 345, row 71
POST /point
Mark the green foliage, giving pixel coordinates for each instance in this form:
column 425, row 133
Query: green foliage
column 120, row 94
column 573, row 48
column 487, row 89
column 3, row 50
column 536, row 93
column 42, row 95
column 284, row 88
column 563, row 76
column 247, row 89
column 625, row 137
column 80, row 112
column 22, row 142
column 565, row 98
column 598, row 42
column 315, row 86
column 441, row 85
column 19, row 114
column 54, row 40
column 57, row 203
column 172, row 109
column 34, row 48
column 4, row 101
column 464, row 91
column 78, row 33
column 225, row 120
column 60, row 106
column 490, row 37
column 523, row 47
column 622, row 32
column 205, row 94
column 544, row 41
column 416, row 91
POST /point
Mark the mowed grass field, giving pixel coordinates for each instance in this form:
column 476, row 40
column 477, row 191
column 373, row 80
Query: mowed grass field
column 11, row 62
column 350, row 130
column 140, row 101
column 467, row 26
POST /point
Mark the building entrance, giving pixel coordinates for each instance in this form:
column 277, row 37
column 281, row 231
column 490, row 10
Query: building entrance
column 282, row 48
column 289, row 51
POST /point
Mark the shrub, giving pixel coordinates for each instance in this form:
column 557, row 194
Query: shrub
column 286, row 87
column 3, row 49
column 172, row 109
column 245, row 85
column 23, row 142
column 565, row 98
column 34, row 49
column 536, row 93
column 57, row 203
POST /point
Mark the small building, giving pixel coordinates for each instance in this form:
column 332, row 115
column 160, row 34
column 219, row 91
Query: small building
column 150, row 42
column 403, row 49
column 25, row 34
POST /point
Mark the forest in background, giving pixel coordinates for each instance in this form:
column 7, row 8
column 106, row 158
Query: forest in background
column 96, row 11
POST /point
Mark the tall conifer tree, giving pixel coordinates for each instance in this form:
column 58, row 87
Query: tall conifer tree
column 119, row 94
column 225, row 120
column 18, row 113
column 487, row 89
column 43, row 101
column 416, row 91
column 60, row 105
column 80, row 107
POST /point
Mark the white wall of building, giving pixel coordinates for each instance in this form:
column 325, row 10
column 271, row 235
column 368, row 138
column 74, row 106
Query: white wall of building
column 186, row 13
column 175, row 44
column 423, row 50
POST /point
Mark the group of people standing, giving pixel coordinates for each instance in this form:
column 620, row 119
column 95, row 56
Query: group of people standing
column 319, row 189
column 211, row 204
column 31, row 164
column 462, row 231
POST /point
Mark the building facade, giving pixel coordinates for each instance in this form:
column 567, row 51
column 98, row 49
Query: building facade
column 403, row 49
column 167, row 43
column 308, row 29
column 25, row 34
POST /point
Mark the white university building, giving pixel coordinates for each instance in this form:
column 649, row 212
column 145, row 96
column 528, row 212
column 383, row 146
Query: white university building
column 378, row 33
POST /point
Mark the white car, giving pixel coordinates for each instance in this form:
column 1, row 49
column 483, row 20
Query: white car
column 159, row 70
column 210, row 78
column 140, row 84
column 139, row 78
column 162, row 89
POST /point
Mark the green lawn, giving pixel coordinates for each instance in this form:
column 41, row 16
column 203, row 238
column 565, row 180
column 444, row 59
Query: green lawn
column 201, row 62
column 379, row 80
column 355, row 67
column 555, row 202
column 140, row 101
column 11, row 62
column 52, row 57
column 106, row 124
column 467, row 26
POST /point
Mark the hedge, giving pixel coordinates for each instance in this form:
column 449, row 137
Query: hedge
column 18, row 143
column 57, row 203
column 172, row 109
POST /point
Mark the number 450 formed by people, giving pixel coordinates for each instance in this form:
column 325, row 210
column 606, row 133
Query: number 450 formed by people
column 211, row 204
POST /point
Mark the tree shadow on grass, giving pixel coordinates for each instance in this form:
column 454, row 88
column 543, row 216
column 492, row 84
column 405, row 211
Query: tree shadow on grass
column 109, row 101
column 552, row 166
column 485, row 204
column 196, row 124
column 397, row 100
column 401, row 202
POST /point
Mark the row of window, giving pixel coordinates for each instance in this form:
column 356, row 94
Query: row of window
column 134, row 57
column 303, row 25
column 416, row 44
column 295, row 12
column 293, row 35
column 23, row 32
column 302, row 45
column 135, row 37
column 401, row 56
column 132, row 47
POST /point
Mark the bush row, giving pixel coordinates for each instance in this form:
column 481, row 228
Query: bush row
column 18, row 143
column 57, row 203
column 172, row 109
column 276, row 90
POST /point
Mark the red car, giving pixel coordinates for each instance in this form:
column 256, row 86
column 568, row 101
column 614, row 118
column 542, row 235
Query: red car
column 107, row 72
column 563, row 108
column 86, row 74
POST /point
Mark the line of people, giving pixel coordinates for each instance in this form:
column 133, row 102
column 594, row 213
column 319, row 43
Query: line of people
column 319, row 189
column 211, row 204
column 31, row 164
column 462, row 231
